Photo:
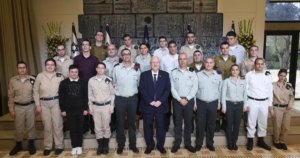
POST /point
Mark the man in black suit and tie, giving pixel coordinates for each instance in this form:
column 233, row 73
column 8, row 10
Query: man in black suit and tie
column 155, row 89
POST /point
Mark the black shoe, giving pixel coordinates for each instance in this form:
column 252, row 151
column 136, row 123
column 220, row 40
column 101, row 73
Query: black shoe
column 261, row 143
column 250, row 144
column 31, row 147
column 190, row 149
column 211, row 148
column 58, row 151
column 92, row 131
column 174, row 149
column 235, row 147
column 16, row 149
column 278, row 145
column 218, row 126
column 46, row 152
column 162, row 150
column 283, row 146
column 134, row 149
column 120, row 150
column 100, row 146
column 198, row 147
column 230, row 146
column 105, row 147
column 148, row 150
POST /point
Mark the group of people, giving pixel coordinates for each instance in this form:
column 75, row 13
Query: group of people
column 103, row 89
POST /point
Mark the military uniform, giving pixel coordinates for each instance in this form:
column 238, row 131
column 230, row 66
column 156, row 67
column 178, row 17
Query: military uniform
column 247, row 65
column 46, row 95
column 184, row 85
column 169, row 62
column 101, row 102
column 197, row 67
column 110, row 64
column 223, row 65
column 189, row 50
column 62, row 64
column 99, row 52
column 283, row 100
column 134, row 51
column 239, row 52
column 144, row 62
column 20, row 101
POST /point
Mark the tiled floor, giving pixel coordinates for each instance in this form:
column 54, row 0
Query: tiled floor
column 221, row 151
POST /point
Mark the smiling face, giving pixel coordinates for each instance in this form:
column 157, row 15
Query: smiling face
column 50, row 66
column 143, row 49
column 190, row 38
column 197, row 56
column 209, row 64
column 73, row 73
column 182, row 60
column 126, row 55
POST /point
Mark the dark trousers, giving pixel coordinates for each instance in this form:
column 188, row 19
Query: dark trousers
column 206, row 121
column 148, row 119
column 75, row 124
column 88, row 123
column 234, row 113
column 126, row 110
column 169, row 113
column 183, row 113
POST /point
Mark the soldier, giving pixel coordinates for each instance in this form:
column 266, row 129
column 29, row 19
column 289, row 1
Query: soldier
column 73, row 102
column 101, row 103
column 128, row 44
column 163, row 47
column 190, row 46
column 184, row 85
column 111, row 60
column 63, row 61
column 248, row 64
column 198, row 64
column 144, row 58
column 21, row 107
column 234, row 48
column 260, row 97
column 99, row 49
column 126, row 78
column 46, row 100
column 283, row 101
column 170, row 61
column 208, row 102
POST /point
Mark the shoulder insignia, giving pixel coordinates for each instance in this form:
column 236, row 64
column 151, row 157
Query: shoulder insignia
column 242, row 77
column 58, row 74
column 116, row 64
column 135, row 47
column 198, row 46
column 107, row 80
column 288, row 86
column 267, row 73
column 136, row 66
column 174, row 69
column 191, row 69
column 32, row 80
column 219, row 72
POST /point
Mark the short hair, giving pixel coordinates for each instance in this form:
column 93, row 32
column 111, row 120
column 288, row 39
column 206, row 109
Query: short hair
column 101, row 63
column 209, row 57
column 223, row 43
column 125, row 50
column 282, row 71
column 259, row 59
column 234, row 65
column 231, row 33
column 145, row 44
column 171, row 42
column 50, row 59
column 99, row 31
column 162, row 37
column 86, row 40
column 254, row 46
column 73, row 66
column 197, row 51
column 21, row 62
column 60, row 44
column 190, row 33
column 126, row 35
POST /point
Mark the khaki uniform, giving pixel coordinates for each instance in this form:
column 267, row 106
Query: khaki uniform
column 20, row 101
column 46, row 95
column 224, row 66
column 283, row 98
column 99, row 52
column 246, row 66
column 134, row 51
column 101, row 92
column 62, row 65
column 190, row 51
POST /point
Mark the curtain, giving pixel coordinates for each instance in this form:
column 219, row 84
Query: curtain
column 18, row 41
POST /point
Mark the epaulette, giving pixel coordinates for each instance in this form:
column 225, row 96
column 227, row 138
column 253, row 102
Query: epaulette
column 135, row 47
column 288, row 86
column 198, row 46
column 267, row 73
column 107, row 80
column 58, row 74
column 136, row 66
column 31, row 80
column 219, row 72
column 191, row 69
column 174, row 69
column 117, row 64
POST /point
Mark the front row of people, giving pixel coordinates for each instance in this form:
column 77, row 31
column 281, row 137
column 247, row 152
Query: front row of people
column 203, row 92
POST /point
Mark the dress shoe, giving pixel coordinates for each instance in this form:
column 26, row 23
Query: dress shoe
column 250, row 144
column 162, row 150
column 16, row 149
column 198, row 147
column 46, row 152
column 211, row 148
column 190, row 149
column 134, row 149
column 261, row 143
column 148, row 150
column 120, row 150
column 100, row 146
column 235, row 147
column 79, row 150
column 174, row 149
column 31, row 147
column 230, row 146
column 105, row 147
column 283, row 146
column 278, row 145
column 58, row 151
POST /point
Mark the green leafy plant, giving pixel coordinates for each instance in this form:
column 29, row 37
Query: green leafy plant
column 246, row 38
column 53, row 37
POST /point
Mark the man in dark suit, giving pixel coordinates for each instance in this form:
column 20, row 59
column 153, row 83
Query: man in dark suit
column 155, row 89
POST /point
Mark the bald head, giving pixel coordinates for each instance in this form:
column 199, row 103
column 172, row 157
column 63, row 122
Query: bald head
column 154, row 62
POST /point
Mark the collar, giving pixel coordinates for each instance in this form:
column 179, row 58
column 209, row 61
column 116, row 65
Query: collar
column 76, row 80
column 112, row 59
column 152, row 72
column 26, row 77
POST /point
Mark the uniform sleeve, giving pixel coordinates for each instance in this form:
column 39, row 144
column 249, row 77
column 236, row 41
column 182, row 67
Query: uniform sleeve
column 10, row 94
column 194, row 89
column 138, row 76
column 112, row 94
column 245, row 95
column 62, row 97
column 220, row 88
column 246, row 89
column 291, row 99
column 90, row 93
column 36, row 89
column 173, row 90
column 224, row 92
column 270, row 95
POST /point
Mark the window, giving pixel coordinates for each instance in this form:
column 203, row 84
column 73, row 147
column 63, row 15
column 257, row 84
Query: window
column 282, row 11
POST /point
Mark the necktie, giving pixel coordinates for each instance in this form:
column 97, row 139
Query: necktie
column 154, row 81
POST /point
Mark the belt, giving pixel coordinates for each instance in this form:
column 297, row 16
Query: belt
column 207, row 102
column 235, row 102
column 281, row 106
column 184, row 98
column 24, row 104
column 126, row 96
column 101, row 104
column 258, row 99
column 48, row 98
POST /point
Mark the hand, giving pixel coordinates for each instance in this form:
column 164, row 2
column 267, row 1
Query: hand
column 38, row 109
column 288, row 108
column 224, row 111
column 85, row 112
column 183, row 102
column 111, row 110
column 91, row 112
column 248, row 109
column 157, row 103
column 152, row 103
column 245, row 109
column 12, row 114
column 64, row 114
